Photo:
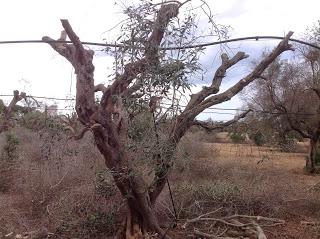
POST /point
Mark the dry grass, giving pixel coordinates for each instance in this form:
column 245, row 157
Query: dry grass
column 59, row 184
column 251, row 180
column 63, row 186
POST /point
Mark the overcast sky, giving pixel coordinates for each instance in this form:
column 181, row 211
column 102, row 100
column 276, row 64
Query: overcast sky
column 38, row 70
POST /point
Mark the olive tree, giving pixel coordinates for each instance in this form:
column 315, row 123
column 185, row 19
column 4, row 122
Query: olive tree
column 146, row 72
column 287, row 97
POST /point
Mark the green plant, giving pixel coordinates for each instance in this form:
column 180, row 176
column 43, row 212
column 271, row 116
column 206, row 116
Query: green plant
column 141, row 126
column 10, row 148
column 36, row 120
column 258, row 138
column 237, row 137
column 8, row 161
column 104, row 184
column 219, row 191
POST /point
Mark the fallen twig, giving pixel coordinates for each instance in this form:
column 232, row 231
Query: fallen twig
column 258, row 218
column 248, row 227
column 310, row 223
column 260, row 232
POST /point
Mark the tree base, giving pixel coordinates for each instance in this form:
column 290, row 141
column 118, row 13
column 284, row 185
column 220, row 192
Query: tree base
column 134, row 230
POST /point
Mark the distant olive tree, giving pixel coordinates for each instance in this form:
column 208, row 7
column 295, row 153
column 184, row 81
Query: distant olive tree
column 7, row 112
column 290, row 90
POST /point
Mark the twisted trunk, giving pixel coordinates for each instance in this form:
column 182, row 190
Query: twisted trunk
column 311, row 159
column 141, row 216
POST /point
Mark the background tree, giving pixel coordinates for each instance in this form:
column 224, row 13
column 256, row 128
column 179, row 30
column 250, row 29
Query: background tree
column 7, row 112
column 147, row 72
column 289, row 93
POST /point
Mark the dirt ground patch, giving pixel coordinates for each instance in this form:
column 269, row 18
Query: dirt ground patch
column 271, row 183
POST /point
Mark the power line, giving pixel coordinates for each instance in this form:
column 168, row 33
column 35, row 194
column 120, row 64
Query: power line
column 182, row 106
column 43, row 97
column 116, row 45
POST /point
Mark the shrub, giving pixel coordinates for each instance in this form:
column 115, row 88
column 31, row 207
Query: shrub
column 10, row 148
column 219, row 191
column 318, row 155
column 36, row 120
column 104, row 184
column 237, row 137
column 258, row 138
column 8, row 161
column 287, row 144
column 191, row 147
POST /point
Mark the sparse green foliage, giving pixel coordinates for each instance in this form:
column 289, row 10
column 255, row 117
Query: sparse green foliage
column 104, row 184
column 219, row 192
column 8, row 159
column 258, row 138
column 237, row 137
column 36, row 120
column 10, row 148
column 141, row 127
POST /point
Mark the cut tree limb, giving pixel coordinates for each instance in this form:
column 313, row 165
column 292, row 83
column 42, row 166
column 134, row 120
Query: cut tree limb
column 220, row 73
column 210, row 127
column 255, row 74
column 9, row 110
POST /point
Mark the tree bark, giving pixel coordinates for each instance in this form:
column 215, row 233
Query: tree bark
column 311, row 159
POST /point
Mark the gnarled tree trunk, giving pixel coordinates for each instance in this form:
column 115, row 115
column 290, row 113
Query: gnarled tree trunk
column 107, row 120
column 311, row 158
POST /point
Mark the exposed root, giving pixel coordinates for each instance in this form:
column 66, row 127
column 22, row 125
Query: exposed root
column 134, row 230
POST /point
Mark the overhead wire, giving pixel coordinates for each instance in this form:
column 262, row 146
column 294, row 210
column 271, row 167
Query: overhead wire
column 117, row 45
column 167, row 48
column 166, row 106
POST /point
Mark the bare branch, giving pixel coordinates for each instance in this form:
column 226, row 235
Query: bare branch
column 100, row 87
column 8, row 110
column 217, row 79
column 80, row 51
column 81, row 59
column 255, row 74
column 210, row 127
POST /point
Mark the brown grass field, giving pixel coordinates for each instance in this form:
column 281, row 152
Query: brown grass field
column 58, row 191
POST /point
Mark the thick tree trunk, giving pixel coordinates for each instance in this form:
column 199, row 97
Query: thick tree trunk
column 311, row 159
column 138, row 223
column 141, row 217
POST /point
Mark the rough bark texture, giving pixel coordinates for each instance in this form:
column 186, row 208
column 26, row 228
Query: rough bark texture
column 311, row 160
column 107, row 120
